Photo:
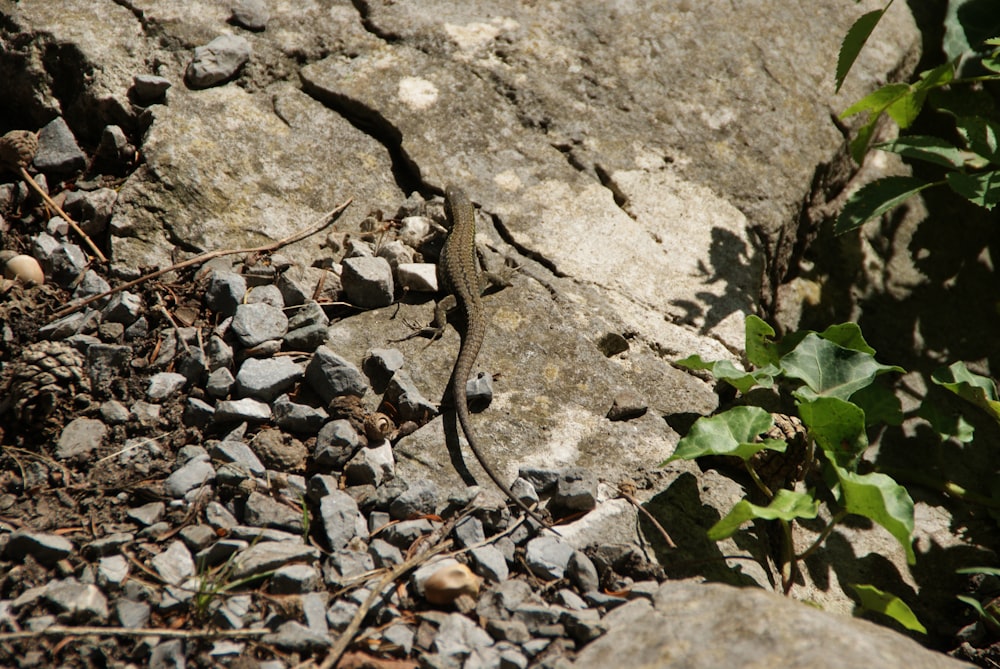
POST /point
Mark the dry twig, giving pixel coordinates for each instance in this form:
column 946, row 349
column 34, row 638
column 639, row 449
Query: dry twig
column 644, row 511
column 419, row 557
column 76, row 228
column 324, row 221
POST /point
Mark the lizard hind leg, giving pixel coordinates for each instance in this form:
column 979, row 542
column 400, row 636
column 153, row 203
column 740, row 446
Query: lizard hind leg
column 435, row 329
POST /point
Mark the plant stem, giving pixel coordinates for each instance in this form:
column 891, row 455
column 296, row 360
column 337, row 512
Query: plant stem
column 839, row 516
column 756, row 479
column 949, row 488
column 788, row 566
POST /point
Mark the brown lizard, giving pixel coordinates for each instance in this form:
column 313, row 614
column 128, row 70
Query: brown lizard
column 459, row 274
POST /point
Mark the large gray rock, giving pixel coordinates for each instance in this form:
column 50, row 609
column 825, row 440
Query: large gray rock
column 705, row 626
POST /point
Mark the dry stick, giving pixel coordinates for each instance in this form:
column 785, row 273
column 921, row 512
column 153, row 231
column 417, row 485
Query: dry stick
column 76, row 228
column 326, row 220
column 643, row 510
column 64, row 631
column 345, row 639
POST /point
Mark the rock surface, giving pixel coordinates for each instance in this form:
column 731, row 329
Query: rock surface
column 703, row 626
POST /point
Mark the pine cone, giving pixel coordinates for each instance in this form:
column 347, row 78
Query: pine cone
column 784, row 470
column 47, row 373
column 17, row 149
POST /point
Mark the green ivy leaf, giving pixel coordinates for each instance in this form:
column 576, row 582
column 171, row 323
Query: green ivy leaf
column 849, row 336
column 879, row 498
column 732, row 432
column 855, row 40
column 838, row 428
column 876, row 198
column 761, row 349
column 948, row 424
column 873, row 599
column 880, row 404
column 726, row 371
column 830, row 370
column 930, row 149
column 981, row 136
column 974, row 388
column 786, row 505
column 982, row 188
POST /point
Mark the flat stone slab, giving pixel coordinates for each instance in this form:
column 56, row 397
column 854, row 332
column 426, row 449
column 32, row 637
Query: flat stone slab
column 709, row 625
column 267, row 378
column 269, row 555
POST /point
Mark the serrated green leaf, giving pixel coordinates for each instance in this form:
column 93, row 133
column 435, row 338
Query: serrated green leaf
column 838, row 427
column 879, row 498
column 732, row 432
column 761, row 350
column 877, row 101
column 981, row 136
column 930, row 149
column 948, row 424
column 880, row 404
column 849, row 336
column 855, row 40
column 727, row 371
column 940, row 76
column 830, row 370
column 906, row 109
column 863, row 137
column 786, row 505
column 874, row 103
column 982, row 188
column 974, row 388
column 876, row 198
column 901, row 102
column 873, row 599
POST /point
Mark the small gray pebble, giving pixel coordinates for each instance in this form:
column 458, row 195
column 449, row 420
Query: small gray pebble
column 149, row 87
column 251, row 14
column 217, row 61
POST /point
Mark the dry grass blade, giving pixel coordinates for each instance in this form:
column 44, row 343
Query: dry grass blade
column 167, row 633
